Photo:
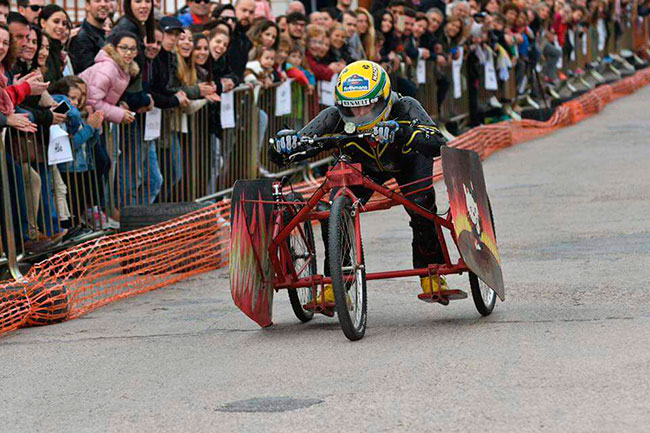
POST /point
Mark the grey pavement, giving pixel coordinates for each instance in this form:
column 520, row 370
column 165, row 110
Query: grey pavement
column 567, row 352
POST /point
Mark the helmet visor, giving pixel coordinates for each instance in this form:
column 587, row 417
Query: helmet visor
column 363, row 114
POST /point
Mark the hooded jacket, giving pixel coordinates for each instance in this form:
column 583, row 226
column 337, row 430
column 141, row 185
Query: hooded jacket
column 107, row 80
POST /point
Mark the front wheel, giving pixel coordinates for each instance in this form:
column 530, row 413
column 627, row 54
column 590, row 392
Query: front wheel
column 347, row 269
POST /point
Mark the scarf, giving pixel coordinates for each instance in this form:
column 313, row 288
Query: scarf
column 6, row 104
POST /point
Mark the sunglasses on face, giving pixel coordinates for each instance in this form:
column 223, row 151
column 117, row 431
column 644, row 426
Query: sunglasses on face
column 202, row 1
column 233, row 19
column 35, row 8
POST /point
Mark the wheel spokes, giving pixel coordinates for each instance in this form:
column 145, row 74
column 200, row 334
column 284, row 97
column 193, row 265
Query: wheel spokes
column 352, row 271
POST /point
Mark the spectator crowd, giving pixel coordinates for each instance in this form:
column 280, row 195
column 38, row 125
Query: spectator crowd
column 125, row 60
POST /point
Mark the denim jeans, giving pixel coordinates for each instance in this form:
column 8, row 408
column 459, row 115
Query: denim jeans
column 17, row 198
column 153, row 178
column 171, row 165
column 129, row 164
column 48, row 219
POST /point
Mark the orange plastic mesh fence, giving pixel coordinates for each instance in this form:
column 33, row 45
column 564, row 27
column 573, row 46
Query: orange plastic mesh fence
column 76, row 281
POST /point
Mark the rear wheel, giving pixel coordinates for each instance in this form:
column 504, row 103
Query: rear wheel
column 484, row 297
column 303, row 256
column 347, row 269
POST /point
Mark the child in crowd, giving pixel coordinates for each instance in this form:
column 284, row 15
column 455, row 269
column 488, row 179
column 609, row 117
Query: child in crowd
column 109, row 76
column 84, row 126
column 260, row 70
column 295, row 68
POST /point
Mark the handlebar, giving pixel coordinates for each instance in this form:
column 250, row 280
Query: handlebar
column 319, row 142
column 315, row 143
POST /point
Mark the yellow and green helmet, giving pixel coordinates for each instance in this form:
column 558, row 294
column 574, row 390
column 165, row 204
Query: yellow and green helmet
column 361, row 84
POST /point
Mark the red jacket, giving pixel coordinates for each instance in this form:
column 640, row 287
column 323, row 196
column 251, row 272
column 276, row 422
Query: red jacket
column 560, row 28
column 321, row 71
column 18, row 92
column 298, row 75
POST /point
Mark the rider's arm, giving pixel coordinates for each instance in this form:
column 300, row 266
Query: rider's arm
column 327, row 122
column 424, row 137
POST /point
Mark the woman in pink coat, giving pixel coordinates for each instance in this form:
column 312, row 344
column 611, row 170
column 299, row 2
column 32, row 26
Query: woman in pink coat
column 109, row 77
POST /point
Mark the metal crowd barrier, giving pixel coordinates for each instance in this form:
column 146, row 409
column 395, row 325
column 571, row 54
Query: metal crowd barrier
column 193, row 159
column 454, row 106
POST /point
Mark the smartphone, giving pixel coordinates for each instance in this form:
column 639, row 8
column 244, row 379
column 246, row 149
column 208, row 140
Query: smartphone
column 62, row 108
column 401, row 22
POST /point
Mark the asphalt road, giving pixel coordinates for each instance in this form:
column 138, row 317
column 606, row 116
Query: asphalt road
column 567, row 352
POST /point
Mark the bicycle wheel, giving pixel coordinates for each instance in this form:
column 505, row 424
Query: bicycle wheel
column 347, row 270
column 484, row 297
column 303, row 256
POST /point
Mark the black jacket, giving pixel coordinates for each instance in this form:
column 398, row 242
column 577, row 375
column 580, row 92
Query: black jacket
column 423, row 138
column 237, row 55
column 164, row 69
column 220, row 69
column 85, row 46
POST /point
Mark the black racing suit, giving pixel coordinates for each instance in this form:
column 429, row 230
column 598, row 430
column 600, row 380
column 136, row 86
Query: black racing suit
column 408, row 158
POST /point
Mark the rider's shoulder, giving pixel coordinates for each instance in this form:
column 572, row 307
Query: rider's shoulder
column 408, row 108
column 405, row 102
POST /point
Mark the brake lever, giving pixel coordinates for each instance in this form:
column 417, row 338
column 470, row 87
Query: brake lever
column 294, row 155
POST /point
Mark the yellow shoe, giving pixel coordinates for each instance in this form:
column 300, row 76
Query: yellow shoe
column 431, row 288
column 329, row 293
column 329, row 298
column 433, row 284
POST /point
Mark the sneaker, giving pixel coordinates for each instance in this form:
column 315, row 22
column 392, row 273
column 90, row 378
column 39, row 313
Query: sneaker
column 38, row 246
column 98, row 220
column 109, row 223
column 329, row 298
column 433, row 283
column 494, row 102
column 431, row 287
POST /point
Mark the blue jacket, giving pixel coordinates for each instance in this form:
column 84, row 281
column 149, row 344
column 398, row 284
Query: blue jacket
column 186, row 19
column 84, row 138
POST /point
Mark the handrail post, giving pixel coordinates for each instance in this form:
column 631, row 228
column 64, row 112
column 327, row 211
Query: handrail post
column 12, row 257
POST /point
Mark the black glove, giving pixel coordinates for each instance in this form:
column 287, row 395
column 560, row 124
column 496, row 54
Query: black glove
column 286, row 142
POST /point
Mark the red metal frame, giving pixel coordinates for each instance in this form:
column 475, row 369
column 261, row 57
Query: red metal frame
column 343, row 176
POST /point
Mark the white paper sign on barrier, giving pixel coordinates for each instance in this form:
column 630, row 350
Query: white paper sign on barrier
column 602, row 34
column 228, row 110
column 327, row 91
column 421, row 69
column 283, row 99
column 585, row 42
column 559, row 60
column 490, row 73
column 456, row 66
column 152, row 124
column 572, row 38
column 59, row 149
column 184, row 122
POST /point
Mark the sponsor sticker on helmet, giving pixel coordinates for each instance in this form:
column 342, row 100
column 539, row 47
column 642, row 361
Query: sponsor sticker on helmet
column 357, row 102
column 356, row 83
